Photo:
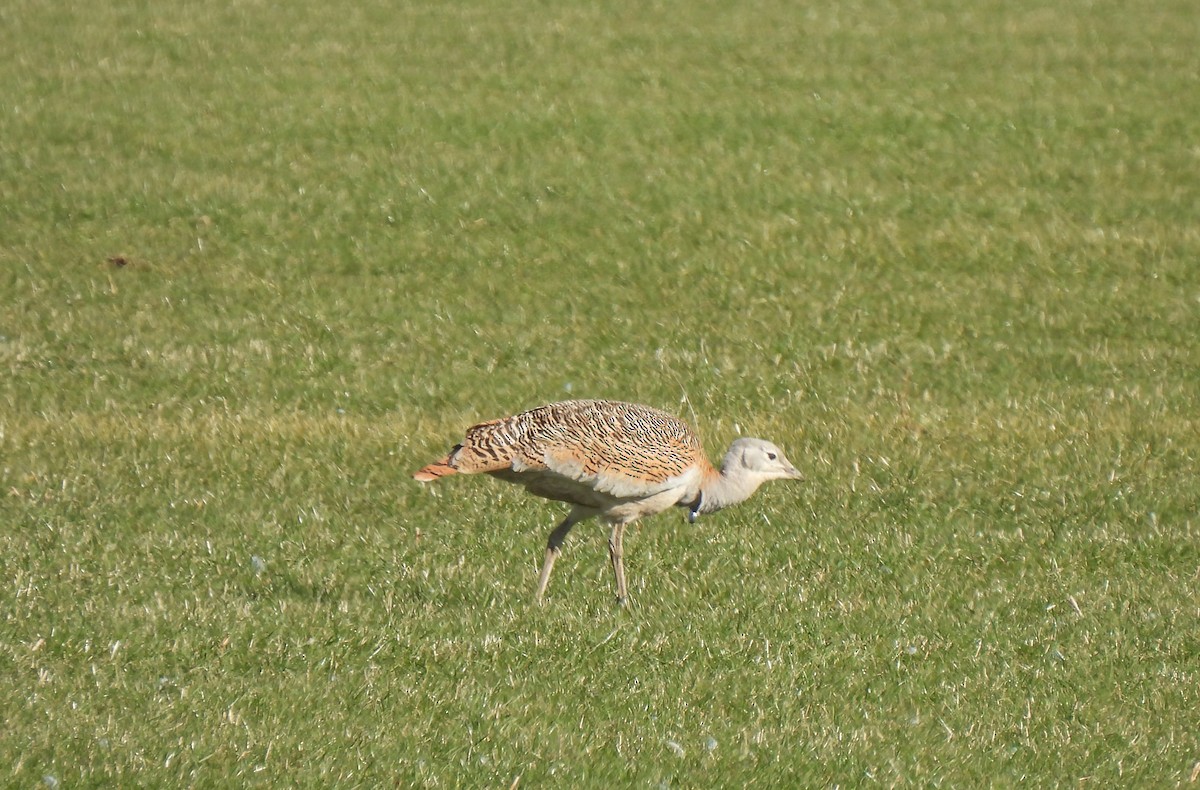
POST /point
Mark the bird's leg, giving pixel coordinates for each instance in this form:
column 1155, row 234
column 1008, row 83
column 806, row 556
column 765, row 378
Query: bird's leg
column 553, row 549
column 616, row 555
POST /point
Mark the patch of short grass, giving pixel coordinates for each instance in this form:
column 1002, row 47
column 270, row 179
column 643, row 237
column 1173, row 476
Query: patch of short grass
column 258, row 266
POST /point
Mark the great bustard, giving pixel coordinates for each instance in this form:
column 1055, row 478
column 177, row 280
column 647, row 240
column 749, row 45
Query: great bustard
column 618, row 461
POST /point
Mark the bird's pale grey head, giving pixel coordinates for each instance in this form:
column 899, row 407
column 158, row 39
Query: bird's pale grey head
column 748, row 464
column 760, row 458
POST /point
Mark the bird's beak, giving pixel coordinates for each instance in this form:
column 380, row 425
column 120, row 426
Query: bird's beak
column 792, row 473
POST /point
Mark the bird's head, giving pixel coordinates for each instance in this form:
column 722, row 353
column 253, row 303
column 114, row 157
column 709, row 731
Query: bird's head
column 761, row 459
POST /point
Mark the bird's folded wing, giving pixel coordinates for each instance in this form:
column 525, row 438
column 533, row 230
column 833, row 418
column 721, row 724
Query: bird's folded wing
column 625, row 471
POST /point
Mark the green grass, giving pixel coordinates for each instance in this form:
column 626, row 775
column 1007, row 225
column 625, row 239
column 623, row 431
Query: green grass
column 945, row 254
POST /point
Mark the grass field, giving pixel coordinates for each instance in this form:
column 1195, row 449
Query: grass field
column 259, row 262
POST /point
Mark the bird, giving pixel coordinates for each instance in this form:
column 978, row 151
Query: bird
column 613, row 460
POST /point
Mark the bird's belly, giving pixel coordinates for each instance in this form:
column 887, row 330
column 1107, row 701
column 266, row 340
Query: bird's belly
column 633, row 509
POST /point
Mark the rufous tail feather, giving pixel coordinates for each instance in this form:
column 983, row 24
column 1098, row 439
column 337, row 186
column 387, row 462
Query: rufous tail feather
column 435, row 470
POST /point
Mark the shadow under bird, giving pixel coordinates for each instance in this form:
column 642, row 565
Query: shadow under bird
column 618, row 461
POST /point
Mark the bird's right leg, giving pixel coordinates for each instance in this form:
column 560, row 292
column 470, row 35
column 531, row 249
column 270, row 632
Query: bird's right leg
column 617, row 555
column 553, row 549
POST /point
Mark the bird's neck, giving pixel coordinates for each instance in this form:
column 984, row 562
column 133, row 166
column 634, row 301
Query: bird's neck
column 726, row 487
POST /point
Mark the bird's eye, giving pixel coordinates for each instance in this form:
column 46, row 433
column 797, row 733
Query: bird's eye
column 770, row 456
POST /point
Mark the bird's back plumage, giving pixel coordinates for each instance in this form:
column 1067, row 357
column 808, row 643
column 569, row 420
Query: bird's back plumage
column 587, row 452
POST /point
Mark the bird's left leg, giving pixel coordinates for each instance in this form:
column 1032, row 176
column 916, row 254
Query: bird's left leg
column 554, row 548
column 616, row 554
